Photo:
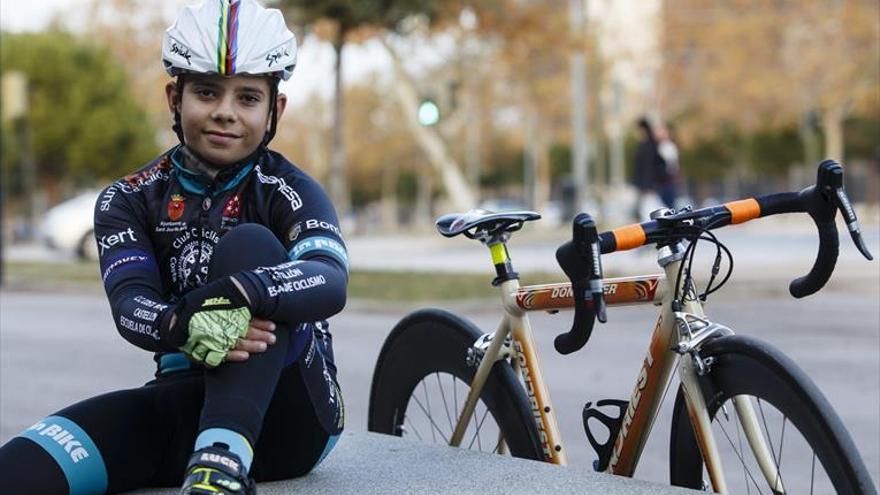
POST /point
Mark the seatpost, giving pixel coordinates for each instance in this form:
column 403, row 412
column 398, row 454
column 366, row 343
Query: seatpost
column 497, row 245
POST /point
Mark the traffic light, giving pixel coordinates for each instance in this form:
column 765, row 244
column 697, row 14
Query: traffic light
column 428, row 113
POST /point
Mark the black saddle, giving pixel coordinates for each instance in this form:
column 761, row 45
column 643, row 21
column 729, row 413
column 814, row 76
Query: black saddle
column 480, row 223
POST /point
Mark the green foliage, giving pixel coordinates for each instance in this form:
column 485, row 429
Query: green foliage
column 505, row 165
column 862, row 138
column 773, row 151
column 85, row 124
column 708, row 158
column 560, row 160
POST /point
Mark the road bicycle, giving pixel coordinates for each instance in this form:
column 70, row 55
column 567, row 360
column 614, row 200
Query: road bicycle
column 740, row 402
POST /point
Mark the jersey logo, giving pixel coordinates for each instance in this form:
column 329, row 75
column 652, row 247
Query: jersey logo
column 215, row 301
column 283, row 187
column 231, row 212
column 176, row 207
column 323, row 244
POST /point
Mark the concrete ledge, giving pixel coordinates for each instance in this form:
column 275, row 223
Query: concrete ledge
column 369, row 463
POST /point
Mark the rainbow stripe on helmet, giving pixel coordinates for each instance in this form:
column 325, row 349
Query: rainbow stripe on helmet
column 227, row 37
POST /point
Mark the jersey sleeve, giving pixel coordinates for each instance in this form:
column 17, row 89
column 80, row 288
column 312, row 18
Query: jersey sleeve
column 129, row 270
column 311, row 285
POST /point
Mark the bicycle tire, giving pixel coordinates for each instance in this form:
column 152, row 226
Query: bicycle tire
column 432, row 341
column 747, row 366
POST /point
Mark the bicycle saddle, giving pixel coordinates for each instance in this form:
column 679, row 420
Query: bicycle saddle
column 483, row 221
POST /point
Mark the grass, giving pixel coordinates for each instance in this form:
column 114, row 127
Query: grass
column 386, row 286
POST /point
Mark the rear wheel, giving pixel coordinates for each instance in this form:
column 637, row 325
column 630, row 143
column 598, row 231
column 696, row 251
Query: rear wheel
column 422, row 379
column 810, row 446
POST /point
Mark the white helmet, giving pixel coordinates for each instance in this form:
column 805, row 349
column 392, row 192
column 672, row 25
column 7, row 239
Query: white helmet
column 229, row 37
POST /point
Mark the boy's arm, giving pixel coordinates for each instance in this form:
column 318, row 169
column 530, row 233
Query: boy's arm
column 312, row 285
column 130, row 272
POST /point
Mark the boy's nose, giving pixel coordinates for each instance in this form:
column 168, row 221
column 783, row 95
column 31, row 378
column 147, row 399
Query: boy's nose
column 224, row 110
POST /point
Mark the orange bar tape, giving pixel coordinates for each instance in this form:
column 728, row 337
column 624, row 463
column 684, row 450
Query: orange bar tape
column 629, row 237
column 743, row 210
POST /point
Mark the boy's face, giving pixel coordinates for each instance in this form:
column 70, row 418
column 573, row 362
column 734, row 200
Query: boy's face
column 223, row 118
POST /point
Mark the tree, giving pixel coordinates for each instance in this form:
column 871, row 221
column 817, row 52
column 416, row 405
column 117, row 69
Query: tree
column 770, row 64
column 132, row 31
column 339, row 21
column 85, row 125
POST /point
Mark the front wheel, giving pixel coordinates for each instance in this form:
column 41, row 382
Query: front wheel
column 423, row 377
column 810, row 446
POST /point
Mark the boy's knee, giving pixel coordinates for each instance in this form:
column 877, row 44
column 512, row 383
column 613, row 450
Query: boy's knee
column 246, row 247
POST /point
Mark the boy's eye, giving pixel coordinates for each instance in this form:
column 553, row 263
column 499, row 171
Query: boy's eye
column 204, row 92
column 250, row 99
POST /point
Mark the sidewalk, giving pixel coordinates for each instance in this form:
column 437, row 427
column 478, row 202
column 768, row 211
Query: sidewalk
column 781, row 247
column 373, row 464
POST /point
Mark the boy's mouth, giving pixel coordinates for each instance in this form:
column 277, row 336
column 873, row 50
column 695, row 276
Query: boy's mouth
column 220, row 137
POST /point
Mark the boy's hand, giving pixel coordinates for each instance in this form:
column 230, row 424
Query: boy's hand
column 210, row 321
column 259, row 337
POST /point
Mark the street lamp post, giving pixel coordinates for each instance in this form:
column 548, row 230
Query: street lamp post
column 579, row 139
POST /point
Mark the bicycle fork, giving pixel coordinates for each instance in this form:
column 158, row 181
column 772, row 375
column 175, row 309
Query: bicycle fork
column 693, row 331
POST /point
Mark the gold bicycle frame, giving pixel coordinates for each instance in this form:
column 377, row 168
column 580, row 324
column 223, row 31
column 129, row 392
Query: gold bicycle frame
column 651, row 382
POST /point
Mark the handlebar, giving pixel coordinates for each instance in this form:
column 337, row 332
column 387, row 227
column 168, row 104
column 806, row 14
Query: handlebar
column 586, row 282
column 580, row 258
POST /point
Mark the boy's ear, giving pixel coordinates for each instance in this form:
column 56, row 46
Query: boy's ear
column 280, row 105
column 172, row 97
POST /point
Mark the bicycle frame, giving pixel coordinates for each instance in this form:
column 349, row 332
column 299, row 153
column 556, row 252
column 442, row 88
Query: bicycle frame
column 652, row 380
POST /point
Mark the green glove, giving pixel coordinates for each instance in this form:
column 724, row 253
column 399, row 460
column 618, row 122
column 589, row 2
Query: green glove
column 215, row 317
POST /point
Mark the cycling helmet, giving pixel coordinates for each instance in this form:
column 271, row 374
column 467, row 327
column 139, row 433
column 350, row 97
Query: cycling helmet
column 229, row 37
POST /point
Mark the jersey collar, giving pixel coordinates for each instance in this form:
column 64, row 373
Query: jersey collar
column 199, row 183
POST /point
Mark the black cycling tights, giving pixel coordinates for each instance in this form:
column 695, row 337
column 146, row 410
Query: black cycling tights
column 144, row 436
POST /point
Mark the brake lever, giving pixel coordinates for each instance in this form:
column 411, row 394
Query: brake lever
column 586, row 241
column 849, row 215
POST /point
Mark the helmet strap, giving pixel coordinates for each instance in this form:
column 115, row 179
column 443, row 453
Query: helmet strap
column 273, row 113
column 176, row 127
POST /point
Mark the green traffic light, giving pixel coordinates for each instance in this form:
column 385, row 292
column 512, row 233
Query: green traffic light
column 429, row 113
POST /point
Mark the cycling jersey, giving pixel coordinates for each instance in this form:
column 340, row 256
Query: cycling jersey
column 157, row 228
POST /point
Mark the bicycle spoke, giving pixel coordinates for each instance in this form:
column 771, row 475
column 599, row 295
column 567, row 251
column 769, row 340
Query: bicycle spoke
column 413, row 427
column 479, row 427
column 813, row 474
column 445, row 404
column 431, row 420
column 781, row 443
column 739, row 440
column 430, row 416
column 455, row 395
column 741, row 459
column 776, row 459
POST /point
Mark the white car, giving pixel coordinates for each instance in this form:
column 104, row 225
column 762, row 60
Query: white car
column 69, row 226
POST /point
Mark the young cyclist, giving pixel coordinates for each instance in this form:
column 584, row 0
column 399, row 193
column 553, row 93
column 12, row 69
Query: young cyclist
column 223, row 259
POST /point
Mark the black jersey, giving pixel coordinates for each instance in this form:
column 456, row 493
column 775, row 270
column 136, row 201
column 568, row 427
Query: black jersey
column 156, row 230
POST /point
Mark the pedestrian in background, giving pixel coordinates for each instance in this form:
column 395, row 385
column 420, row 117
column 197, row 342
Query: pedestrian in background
column 668, row 176
column 648, row 166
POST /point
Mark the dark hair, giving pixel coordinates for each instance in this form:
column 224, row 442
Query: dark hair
column 645, row 126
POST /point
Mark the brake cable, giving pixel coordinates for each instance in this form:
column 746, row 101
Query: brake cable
column 695, row 233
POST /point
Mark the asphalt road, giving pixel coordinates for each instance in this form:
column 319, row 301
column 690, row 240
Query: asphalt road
column 57, row 348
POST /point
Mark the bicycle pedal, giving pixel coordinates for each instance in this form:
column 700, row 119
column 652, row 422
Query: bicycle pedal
column 610, row 422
